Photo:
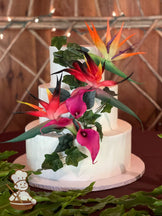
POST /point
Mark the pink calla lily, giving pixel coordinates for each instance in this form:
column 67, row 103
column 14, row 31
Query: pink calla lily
column 75, row 104
column 90, row 139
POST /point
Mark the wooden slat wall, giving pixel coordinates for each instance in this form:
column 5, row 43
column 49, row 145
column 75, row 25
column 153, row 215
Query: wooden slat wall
column 14, row 78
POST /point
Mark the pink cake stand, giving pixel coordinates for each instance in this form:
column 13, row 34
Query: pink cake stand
column 132, row 174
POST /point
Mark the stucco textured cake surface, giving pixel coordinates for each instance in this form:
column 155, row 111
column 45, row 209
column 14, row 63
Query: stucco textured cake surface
column 114, row 156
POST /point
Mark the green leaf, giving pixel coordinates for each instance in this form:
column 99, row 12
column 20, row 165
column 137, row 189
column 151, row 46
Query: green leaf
column 106, row 107
column 58, row 58
column 58, row 41
column 139, row 198
column 5, row 206
column 109, row 66
column 68, row 56
column 89, row 99
column 6, row 154
column 65, row 142
column 157, row 211
column 99, row 129
column 74, row 156
column 102, row 95
column 157, row 191
column 33, row 132
column 115, row 211
column 160, row 135
column 72, row 53
column 89, row 117
column 73, row 82
column 6, row 168
column 52, row 161
column 133, row 212
column 74, row 47
column 158, row 203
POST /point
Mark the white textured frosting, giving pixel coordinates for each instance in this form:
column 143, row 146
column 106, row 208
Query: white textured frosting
column 113, row 158
column 115, row 149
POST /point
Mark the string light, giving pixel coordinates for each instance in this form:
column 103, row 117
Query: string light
column 9, row 19
column 68, row 34
column 53, row 11
column 1, row 36
column 53, row 29
column 114, row 14
column 121, row 13
column 36, row 20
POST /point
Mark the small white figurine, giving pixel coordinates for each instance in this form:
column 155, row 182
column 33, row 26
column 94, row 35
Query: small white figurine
column 21, row 197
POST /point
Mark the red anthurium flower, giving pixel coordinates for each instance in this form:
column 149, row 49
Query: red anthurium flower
column 52, row 110
column 90, row 139
column 110, row 48
column 89, row 73
column 76, row 105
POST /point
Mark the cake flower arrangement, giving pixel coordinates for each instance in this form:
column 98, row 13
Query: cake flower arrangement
column 75, row 111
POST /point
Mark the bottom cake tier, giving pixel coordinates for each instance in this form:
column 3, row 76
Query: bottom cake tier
column 113, row 159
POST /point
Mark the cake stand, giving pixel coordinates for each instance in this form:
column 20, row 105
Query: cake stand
column 135, row 171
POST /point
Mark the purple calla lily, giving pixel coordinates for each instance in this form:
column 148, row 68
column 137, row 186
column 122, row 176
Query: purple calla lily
column 90, row 139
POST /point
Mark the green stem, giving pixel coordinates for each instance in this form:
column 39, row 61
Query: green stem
column 4, row 173
column 41, row 198
column 109, row 66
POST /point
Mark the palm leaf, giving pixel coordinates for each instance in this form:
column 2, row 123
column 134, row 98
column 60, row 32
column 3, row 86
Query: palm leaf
column 104, row 96
column 33, row 132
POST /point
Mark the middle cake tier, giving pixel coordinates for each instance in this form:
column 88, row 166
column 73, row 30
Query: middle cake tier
column 107, row 120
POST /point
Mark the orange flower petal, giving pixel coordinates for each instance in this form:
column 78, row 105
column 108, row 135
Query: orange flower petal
column 125, row 40
column 97, row 40
column 115, row 43
column 126, row 55
column 99, row 73
column 49, row 94
column 31, row 105
column 108, row 34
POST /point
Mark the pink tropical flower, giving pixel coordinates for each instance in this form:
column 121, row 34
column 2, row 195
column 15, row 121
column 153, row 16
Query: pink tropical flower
column 109, row 50
column 77, row 107
column 52, row 110
column 75, row 104
column 90, row 139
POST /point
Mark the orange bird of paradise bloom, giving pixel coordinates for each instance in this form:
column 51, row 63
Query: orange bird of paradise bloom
column 110, row 49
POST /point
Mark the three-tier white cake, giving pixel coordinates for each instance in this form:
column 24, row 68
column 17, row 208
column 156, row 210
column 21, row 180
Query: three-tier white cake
column 114, row 156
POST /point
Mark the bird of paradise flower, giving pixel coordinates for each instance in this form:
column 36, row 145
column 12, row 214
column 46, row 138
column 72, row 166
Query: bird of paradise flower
column 110, row 48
